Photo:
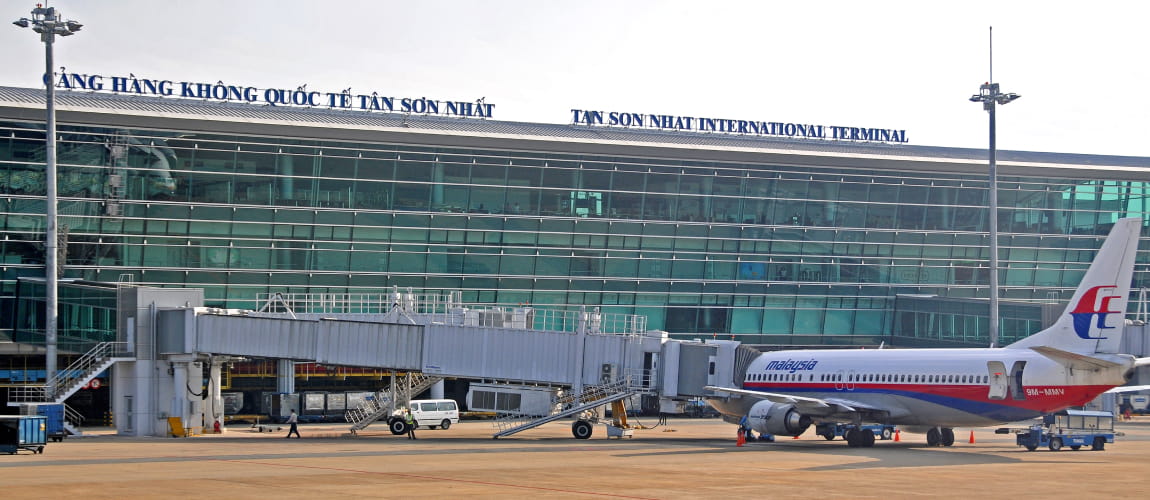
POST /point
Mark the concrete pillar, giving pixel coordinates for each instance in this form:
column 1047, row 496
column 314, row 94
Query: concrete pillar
column 285, row 376
column 179, row 402
column 214, row 407
column 437, row 390
column 195, row 403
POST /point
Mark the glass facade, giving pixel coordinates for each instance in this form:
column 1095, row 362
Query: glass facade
column 771, row 253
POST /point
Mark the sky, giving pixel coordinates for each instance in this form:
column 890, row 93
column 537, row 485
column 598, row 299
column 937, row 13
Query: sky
column 1080, row 67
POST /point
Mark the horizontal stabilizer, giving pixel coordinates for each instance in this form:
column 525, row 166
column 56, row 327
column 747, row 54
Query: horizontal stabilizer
column 1141, row 361
column 1073, row 359
column 1129, row 388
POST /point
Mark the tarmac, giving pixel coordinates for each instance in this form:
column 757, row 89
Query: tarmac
column 687, row 458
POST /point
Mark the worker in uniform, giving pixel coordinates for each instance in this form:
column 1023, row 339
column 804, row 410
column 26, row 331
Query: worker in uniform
column 293, row 420
column 409, row 421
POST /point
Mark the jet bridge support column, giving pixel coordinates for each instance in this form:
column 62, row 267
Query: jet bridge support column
column 214, row 405
column 580, row 349
column 285, row 376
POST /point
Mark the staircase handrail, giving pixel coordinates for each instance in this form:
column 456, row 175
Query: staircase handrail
column 63, row 379
column 72, row 416
column 81, row 365
column 369, row 411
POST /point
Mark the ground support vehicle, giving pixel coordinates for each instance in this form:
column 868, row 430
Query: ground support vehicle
column 427, row 414
column 1073, row 428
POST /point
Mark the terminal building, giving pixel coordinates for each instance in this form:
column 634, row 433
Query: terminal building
column 765, row 239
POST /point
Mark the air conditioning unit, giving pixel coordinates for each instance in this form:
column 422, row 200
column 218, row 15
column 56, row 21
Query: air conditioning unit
column 607, row 373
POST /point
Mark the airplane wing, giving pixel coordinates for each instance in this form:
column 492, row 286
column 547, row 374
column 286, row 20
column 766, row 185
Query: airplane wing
column 1141, row 361
column 1129, row 388
column 809, row 406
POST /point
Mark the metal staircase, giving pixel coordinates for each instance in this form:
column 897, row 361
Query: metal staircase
column 71, row 379
column 381, row 405
column 571, row 404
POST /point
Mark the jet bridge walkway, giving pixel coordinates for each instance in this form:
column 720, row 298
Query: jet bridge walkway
column 438, row 336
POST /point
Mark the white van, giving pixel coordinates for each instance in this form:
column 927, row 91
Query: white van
column 433, row 413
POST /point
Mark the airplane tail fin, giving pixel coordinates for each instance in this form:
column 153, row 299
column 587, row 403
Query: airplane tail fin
column 1095, row 317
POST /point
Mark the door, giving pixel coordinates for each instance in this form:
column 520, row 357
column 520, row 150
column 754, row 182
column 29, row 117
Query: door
column 999, row 384
column 1017, row 391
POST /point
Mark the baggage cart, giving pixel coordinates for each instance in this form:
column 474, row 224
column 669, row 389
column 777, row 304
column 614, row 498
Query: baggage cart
column 23, row 432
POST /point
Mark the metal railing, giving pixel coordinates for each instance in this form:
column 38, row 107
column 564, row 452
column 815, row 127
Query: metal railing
column 73, row 376
column 592, row 393
column 449, row 309
column 569, row 404
column 73, row 417
column 371, row 410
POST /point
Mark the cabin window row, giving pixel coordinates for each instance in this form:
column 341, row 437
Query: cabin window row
column 901, row 378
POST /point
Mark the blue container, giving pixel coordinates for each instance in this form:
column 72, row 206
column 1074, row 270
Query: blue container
column 55, row 415
column 23, row 432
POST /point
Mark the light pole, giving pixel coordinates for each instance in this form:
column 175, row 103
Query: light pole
column 48, row 23
column 989, row 95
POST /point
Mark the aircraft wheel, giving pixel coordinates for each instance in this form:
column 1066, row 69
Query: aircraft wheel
column 397, row 426
column 853, row 437
column 933, row 437
column 1055, row 444
column 581, row 429
column 1099, row 444
column 445, row 424
column 947, row 436
column 866, row 438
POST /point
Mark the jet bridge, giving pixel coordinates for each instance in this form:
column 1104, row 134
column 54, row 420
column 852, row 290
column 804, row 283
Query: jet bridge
column 436, row 335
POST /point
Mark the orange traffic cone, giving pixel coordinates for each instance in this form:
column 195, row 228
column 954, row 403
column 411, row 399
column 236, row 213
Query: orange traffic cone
column 971, row 437
column 897, row 438
column 741, row 439
column 796, row 437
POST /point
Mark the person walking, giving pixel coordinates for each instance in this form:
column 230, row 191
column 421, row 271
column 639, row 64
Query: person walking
column 409, row 422
column 293, row 420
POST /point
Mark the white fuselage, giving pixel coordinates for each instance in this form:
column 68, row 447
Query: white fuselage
column 930, row 387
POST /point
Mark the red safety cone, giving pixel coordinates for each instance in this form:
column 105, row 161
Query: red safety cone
column 971, row 437
column 741, row 439
column 897, row 438
column 796, row 437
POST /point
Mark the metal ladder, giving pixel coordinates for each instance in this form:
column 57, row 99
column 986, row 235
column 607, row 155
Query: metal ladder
column 371, row 410
column 571, row 404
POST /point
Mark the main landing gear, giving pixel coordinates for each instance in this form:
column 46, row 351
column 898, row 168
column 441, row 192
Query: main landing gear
column 859, row 438
column 940, row 436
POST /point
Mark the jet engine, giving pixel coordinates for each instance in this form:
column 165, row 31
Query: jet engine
column 777, row 419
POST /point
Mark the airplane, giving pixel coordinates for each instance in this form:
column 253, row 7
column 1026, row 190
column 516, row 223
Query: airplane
column 935, row 390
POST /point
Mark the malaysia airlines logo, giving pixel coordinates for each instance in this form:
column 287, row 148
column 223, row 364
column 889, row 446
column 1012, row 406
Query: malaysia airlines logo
column 1094, row 303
